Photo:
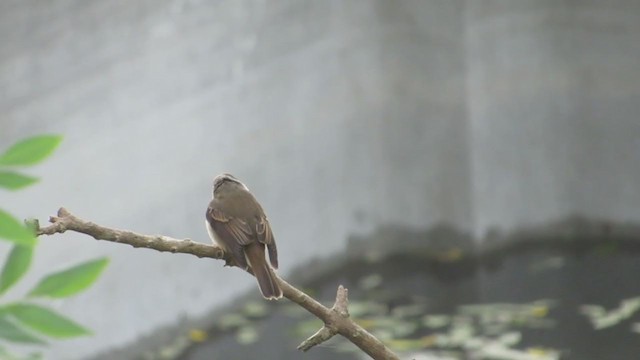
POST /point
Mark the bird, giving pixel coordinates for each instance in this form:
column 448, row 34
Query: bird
column 236, row 222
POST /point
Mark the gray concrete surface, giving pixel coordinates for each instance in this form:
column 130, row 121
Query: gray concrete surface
column 340, row 116
column 554, row 104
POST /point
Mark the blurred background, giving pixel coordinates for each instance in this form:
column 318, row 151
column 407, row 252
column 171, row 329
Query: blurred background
column 470, row 168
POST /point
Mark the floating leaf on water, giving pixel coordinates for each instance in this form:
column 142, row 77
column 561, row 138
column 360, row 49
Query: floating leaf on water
column 383, row 334
column 308, row 327
column 602, row 319
column 398, row 327
column 255, row 309
column 404, row 328
column 173, row 349
column 461, row 320
column 366, row 323
column 429, row 340
column 247, row 335
column 474, row 343
column 496, row 350
column 412, row 310
column 510, row 338
column 460, row 329
column 494, row 329
column 233, row 320
column 461, row 336
column 361, row 308
column 405, row 344
column 370, row 282
column 197, row 335
column 609, row 320
column 630, row 306
column 436, row 321
column 543, row 353
column 505, row 314
column 539, row 310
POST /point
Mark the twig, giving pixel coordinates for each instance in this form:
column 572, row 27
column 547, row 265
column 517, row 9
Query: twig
column 336, row 320
column 328, row 331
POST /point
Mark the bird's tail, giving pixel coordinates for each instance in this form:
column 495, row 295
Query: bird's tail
column 264, row 274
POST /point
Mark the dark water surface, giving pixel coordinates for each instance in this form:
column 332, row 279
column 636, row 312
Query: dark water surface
column 522, row 301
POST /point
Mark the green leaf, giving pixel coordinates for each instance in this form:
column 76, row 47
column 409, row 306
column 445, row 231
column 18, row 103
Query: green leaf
column 12, row 332
column 45, row 321
column 71, row 281
column 30, row 151
column 6, row 355
column 14, row 231
column 15, row 266
column 15, row 181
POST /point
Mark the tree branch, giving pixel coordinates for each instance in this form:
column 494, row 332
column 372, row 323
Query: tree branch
column 328, row 331
column 336, row 320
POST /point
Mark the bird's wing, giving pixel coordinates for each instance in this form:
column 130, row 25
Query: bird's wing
column 234, row 233
column 265, row 236
column 263, row 230
column 239, row 230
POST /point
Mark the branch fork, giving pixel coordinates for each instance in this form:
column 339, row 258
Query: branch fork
column 336, row 320
column 330, row 328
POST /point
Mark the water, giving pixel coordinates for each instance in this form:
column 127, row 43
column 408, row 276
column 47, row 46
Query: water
column 541, row 297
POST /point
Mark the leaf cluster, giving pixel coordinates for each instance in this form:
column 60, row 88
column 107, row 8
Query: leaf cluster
column 28, row 321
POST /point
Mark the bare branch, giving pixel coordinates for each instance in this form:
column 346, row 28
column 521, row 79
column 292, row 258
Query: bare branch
column 342, row 302
column 336, row 319
column 328, row 331
column 67, row 221
column 319, row 337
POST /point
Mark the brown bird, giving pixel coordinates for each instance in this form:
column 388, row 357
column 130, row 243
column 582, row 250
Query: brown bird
column 237, row 223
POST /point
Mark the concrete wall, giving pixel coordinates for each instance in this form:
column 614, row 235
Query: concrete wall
column 340, row 116
column 554, row 104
